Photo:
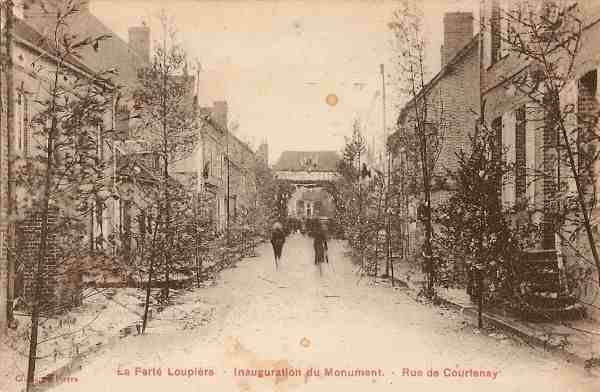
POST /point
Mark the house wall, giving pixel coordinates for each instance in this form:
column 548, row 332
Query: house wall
column 31, row 75
column 211, row 153
column 454, row 104
column 310, row 196
column 502, row 101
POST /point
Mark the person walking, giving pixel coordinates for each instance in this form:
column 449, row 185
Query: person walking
column 277, row 240
column 320, row 246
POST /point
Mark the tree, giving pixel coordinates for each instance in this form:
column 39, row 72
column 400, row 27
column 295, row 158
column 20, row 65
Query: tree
column 476, row 227
column 268, row 206
column 423, row 125
column 168, row 123
column 358, row 196
column 62, row 178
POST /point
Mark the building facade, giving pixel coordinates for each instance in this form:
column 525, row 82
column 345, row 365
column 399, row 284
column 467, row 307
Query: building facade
column 223, row 167
column 308, row 172
column 31, row 55
column 523, row 128
column 32, row 59
column 452, row 99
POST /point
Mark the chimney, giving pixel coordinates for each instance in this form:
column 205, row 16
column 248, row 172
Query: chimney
column 139, row 41
column 37, row 10
column 263, row 153
column 458, row 32
column 219, row 113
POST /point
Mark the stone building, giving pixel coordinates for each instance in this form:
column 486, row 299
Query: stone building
column 31, row 48
column 521, row 126
column 453, row 101
column 308, row 172
column 223, row 168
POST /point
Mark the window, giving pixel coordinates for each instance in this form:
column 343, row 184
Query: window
column 1, row 244
column 122, row 122
column 520, row 160
column 156, row 161
column 497, row 130
column 142, row 222
column 100, row 142
column 221, row 159
column 497, row 151
column 299, row 207
column 318, row 208
column 21, row 116
column 234, row 199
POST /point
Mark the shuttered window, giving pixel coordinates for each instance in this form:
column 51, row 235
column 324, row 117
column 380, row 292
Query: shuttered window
column 520, row 154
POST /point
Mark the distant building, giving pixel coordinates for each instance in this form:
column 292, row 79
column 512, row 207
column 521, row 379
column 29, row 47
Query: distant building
column 223, row 168
column 308, row 172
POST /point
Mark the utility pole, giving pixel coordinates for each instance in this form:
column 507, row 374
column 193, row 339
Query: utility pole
column 10, row 152
column 165, row 170
column 404, row 205
column 227, row 204
column 389, row 270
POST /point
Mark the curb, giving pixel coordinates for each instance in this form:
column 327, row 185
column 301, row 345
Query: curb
column 58, row 376
column 514, row 329
column 53, row 378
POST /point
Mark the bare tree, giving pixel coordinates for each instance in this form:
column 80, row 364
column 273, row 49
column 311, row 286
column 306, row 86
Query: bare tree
column 422, row 127
column 61, row 175
column 359, row 195
column 167, row 122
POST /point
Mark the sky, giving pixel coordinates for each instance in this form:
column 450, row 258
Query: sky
column 275, row 62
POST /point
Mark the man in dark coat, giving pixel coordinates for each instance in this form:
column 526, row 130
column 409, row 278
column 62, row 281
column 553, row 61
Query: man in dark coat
column 277, row 240
column 320, row 244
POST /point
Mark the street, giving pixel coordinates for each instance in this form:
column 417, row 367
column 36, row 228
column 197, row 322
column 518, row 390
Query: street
column 155, row 155
column 296, row 330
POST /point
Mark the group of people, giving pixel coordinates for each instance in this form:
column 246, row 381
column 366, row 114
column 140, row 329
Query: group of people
column 318, row 233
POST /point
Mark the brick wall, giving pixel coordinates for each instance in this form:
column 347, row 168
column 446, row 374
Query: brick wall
column 28, row 248
column 587, row 108
column 458, row 31
column 453, row 104
column 587, row 112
